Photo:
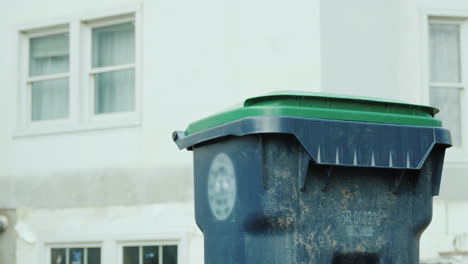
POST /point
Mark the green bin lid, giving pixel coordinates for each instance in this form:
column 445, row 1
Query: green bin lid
column 323, row 106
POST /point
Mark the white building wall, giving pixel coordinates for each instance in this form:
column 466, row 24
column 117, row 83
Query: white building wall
column 379, row 48
column 359, row 47
column 200, row 57
column 450, row 217
column 197, row 57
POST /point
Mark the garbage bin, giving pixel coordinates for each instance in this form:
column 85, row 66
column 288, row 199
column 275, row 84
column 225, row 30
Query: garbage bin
column 295, row 177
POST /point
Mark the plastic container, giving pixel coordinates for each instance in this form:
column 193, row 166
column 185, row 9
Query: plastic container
column 297, row 177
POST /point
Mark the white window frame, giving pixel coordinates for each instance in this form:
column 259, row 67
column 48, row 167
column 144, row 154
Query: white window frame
column 455, row 155
column 112, row 244
column 88, row 72
column 68, row 246
column 81, row 96
column 25, row 91
column 143, row 243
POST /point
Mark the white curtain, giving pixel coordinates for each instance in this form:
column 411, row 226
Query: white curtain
column 448, row 102
column 112, row 46
column 49, row 55
column 114, row 92
column 49, row 99
column 445, row 52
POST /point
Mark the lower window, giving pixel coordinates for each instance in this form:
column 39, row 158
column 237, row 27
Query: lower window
column 90, row 255
column 150, row 254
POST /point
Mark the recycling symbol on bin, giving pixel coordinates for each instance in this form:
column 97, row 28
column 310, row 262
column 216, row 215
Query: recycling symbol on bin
column 221, row 186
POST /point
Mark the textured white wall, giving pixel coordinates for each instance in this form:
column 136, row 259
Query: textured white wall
column 198, row 58
column 377, row 48
column 358, row 47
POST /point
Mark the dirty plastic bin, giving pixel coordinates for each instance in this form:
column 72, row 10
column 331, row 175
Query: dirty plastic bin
column 297, row 177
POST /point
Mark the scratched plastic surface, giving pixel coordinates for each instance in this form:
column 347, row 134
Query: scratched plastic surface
column 316, row 191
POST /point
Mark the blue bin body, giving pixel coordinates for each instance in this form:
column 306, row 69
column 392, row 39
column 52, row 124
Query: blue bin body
column 314, row 191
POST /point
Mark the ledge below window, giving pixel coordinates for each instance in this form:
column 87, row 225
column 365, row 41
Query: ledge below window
column 66, row 127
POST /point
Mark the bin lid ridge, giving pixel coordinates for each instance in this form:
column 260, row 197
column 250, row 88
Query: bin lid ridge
column 324, row 106
column 328, row 141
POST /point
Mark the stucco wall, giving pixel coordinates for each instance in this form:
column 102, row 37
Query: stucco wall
column 127, row 183
column 358, row 47
column 198, row 57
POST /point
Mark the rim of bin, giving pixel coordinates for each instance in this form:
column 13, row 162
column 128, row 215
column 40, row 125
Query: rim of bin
column 323, row 106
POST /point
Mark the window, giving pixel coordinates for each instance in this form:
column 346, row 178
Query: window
column 150, row 254
column 447, row 89
column 80, row 74
column 112, row 69
column 48, row 76
column 90, row 255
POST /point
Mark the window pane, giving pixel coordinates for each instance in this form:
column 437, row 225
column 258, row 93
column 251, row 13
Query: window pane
column 114, row 45
column 170, row 255
column 115, row 92
column 131, row 255
column 49, row 99
column 151, row 255
column 48, row 55
column 448, row 101
column 445, row 52
column 76, row 256
column 94, row 256
column 58, row 256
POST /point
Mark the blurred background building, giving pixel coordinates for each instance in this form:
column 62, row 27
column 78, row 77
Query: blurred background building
column 92, row 90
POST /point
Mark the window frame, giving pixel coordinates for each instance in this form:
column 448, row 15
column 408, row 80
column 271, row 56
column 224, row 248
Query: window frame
column 461, row 85
column 68, row 246
column 457, row 155
column 80, row 116
column 111, row 244
column 26, row 81
column 89, row 73
column 142, row 243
